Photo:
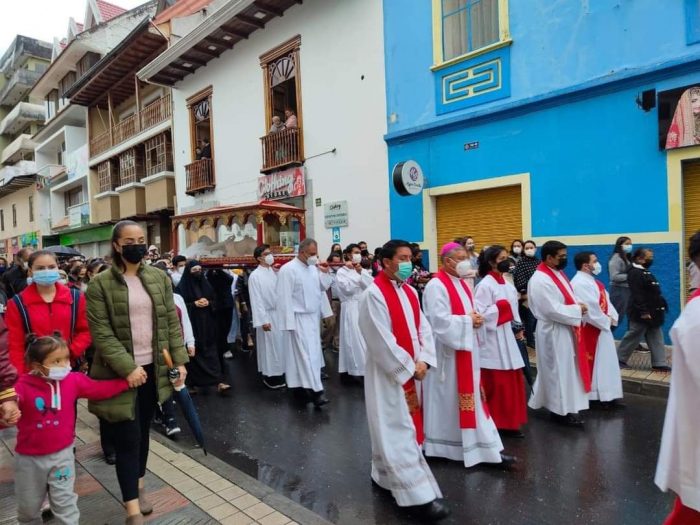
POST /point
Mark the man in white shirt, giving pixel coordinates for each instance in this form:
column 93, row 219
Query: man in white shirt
column 679, row 462
column 400, row 350
column 596, row 339
column 559, row 386
column 262, row 286
column 301, row 302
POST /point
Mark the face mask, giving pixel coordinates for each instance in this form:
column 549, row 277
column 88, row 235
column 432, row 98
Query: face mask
column 530, row 252
column 180, row 270
column 627, row 248
column 46, row 277
column 25, row 265
column 597, row 268
column 503, row 266
column 196, row 275
column 134, row 253
column 647, row 264
column 470, row 246
column 58, row 373
column 562, row 263
column 63, row 281
column 463, row 268
column 269, row 259
column 356, row 258
column 405, row 270
column 29, row 281
column 517, row 250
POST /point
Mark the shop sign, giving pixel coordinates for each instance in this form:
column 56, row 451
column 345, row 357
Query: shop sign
column 100, row 233
column 335, row 214
column 282, row 184
column 408, row 178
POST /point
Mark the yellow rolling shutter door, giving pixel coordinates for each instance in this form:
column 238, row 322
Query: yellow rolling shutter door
column 491, row 216
column 691, row 201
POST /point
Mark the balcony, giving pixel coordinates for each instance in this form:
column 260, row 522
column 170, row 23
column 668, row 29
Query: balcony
column 79, row 215
column 21, row 115
column 18, row 86
column 17, row 149
column 282, row 149
column 153, row 114
column 200, row 176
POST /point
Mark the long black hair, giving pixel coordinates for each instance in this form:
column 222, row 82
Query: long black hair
column 618, row 249
column 488, row 256
column 117, row 259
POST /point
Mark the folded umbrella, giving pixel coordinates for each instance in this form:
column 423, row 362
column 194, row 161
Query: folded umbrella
column 184, row 401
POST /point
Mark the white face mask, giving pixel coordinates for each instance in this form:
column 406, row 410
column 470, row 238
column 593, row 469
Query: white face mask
column 356, row 258
column 597, row 268
column 517, row 250
column 58, row 373
column 530, row 252
column 312, row 260
column 180, row 270
column 463, row 268
column 269, row 259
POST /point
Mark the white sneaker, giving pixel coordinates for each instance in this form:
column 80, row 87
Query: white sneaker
column 171, row 431
column 228, row 354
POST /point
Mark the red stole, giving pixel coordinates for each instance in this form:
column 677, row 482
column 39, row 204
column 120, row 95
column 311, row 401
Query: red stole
column 399, row 328
column 583, row 367
column 505, row 312
column 463, row 358
column 588, row 338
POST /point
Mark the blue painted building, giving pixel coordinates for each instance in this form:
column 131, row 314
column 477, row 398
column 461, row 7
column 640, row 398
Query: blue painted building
column 546, row 119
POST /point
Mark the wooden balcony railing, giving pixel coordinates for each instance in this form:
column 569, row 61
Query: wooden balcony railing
column 200, row 176
column 281, row 149
column 153, row 114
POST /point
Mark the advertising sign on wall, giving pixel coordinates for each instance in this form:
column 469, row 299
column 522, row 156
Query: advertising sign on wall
column 679, row 117
column 335, row 214
column 282, row 184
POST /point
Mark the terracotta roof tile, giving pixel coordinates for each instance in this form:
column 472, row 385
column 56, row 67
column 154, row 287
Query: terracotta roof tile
column 181, row 8
column 109, row 11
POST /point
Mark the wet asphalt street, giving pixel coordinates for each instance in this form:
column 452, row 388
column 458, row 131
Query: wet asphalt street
column 602, row 475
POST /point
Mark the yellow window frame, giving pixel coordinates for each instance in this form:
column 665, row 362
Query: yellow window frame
column 439, row 61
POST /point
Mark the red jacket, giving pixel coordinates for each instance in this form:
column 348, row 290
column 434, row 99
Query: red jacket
column 8, row 374
column 45, row 319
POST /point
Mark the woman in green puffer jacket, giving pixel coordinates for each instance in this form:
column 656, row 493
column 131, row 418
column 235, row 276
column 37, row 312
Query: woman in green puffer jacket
column 132, row 319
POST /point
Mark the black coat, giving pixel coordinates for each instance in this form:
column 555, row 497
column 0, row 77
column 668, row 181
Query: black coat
column 645, row 297
column 15, row 280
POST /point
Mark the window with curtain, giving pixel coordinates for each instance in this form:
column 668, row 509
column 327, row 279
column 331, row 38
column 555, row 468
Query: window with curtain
column 468, row 25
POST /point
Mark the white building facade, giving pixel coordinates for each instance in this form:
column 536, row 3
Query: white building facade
column 324, row 60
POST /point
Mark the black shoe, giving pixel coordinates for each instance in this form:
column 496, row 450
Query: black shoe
column 436, row 510
column 324, row 376
column 345, row 379
column 569, row 420
column 511, row 433
column 623, row 366
column 110, row 459
column 612, row 405
column 663, row 368
column 319, row 399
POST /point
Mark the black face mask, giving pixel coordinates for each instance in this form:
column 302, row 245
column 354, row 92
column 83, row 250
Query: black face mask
column 503, row 266
column 196, row 275
column 134, row 253
column 364, row 253
column 647, row 264
column 562, row 263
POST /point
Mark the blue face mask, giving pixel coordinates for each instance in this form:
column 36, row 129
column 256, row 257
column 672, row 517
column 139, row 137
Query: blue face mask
column 627, row 248
column 405, row 270
column 46, row 277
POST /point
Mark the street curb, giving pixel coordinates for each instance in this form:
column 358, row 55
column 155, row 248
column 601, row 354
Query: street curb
column 277, row 501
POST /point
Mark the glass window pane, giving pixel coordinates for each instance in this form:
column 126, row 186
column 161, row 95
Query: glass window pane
column 484, row 23
column 454, row 35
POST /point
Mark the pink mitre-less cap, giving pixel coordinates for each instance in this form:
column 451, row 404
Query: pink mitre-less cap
column 449, row 247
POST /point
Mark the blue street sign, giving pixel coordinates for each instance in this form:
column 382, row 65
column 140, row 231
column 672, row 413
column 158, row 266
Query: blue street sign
column 336, row 234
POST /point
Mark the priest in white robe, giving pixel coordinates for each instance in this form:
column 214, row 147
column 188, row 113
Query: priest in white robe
column 458, row 425
column 596, row 338
column 350, row 281
column 400, row 349
column 559, row 386
column 301, row 301
column 262, row 287
column 678, row 468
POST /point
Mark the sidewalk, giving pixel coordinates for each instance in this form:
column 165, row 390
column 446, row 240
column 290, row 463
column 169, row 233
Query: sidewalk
column 185, row 486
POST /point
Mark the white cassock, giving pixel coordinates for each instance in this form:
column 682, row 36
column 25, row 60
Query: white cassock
column 606, row 381
column 262, row 286
column 397, row 460
column 499, row 349
column 349, row 285
column 300, row 302
column 454, row 333
column 558, row 386
column 187, row 332
column 679, row 459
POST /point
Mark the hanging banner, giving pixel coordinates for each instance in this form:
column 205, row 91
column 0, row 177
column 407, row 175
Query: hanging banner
column 282, row 184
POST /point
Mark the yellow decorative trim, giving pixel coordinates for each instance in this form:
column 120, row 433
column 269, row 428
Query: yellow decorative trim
column 472, row 54
column 504, row 31
column 466, row 402
column 429, row 206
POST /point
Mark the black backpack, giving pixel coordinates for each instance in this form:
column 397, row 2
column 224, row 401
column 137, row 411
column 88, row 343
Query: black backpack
column 75, row 294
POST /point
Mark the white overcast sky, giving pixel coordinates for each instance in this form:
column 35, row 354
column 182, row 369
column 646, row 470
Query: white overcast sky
column 43, row 19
